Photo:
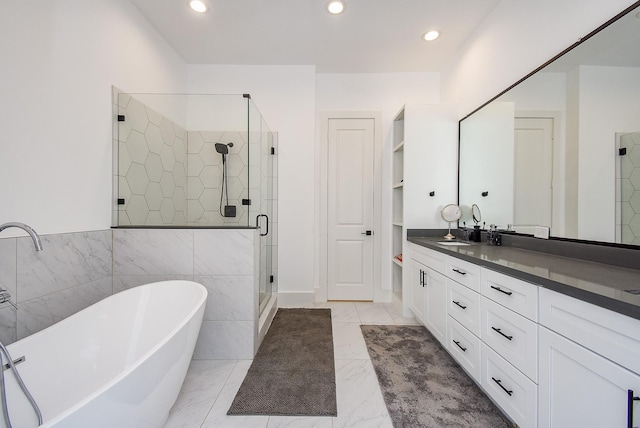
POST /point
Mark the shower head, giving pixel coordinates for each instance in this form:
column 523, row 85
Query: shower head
column 223, row 149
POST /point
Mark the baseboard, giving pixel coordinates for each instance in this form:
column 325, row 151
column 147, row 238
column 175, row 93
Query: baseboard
column 383, row 296
column 295, row 299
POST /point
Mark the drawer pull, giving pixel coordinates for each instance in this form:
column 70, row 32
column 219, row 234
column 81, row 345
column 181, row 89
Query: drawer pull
column 460, row 346
column 508, row 293
column 499, row 382
column 458, row 304
column 630, row 400
column 459, row 271
column 500, row 331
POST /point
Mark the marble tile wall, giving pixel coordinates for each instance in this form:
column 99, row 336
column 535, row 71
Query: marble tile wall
column 223, row 260
column 73, row 271
column 76, row 270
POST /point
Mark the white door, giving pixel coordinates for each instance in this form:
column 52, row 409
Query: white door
column 350, row 209
column 533, row 154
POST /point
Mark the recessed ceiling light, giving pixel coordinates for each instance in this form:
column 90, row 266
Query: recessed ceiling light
column 335, row 7
column 431, row 35
column 198, row 5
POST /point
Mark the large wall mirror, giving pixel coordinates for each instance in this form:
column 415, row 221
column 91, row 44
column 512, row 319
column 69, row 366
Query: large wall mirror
column 562, row 147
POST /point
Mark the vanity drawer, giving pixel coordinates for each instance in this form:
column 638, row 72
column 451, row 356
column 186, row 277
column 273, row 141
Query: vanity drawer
column 467, row 274
column 519, row 296
column 511, row 390
column 464, row 347
column 463, row 305
column 610, row 334
column 430, row 258
column 510, row 335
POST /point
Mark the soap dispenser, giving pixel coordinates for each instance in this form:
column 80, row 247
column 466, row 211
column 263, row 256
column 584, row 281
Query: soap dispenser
column 476, row 235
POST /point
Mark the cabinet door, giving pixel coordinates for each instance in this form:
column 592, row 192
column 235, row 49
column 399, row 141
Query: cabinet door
column 579, row 388
column 436, row 311
column 417, row 291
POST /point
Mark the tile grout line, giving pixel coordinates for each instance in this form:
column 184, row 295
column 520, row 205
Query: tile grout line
column 213, row 403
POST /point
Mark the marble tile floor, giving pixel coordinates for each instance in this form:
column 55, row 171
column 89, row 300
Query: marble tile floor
column 211, row 385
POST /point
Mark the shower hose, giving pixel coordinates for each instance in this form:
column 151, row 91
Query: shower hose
column 3, row 391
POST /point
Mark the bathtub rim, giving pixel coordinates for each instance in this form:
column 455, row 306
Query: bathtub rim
column 198, row 306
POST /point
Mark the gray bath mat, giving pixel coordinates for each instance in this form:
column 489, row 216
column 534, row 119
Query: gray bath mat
column 293, row 373
column 422, row 385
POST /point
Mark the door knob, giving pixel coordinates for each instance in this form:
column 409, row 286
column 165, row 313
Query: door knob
column 368, row 233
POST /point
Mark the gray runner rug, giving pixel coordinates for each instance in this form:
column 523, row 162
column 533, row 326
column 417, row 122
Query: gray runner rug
column 422, row 385
column 293, row 373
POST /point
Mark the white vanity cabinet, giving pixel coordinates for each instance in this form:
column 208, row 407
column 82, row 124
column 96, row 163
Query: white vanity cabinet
column 428, row 290
column 589, row 365
column 581, row 388
column 547, row 359
column 417, row 290
column 436, row 317
column 463, row 310
column 509, row 374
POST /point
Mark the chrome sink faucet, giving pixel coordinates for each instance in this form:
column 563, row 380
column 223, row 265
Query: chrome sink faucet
column 26, row 228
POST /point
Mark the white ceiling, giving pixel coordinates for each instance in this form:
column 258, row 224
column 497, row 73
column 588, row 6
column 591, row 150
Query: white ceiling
column 370, row 36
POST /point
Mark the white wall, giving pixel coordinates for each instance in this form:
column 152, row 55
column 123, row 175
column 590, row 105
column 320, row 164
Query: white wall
column 486, row 164
column 289, row 98
column 285, row 95
column 59, row 60
column 514, row 39
column 387, row 93
column 608, row 104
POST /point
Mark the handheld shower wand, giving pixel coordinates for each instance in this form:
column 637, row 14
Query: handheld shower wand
column 229, row 210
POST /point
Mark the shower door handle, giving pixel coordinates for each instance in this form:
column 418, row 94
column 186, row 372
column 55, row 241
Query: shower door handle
column 259, row 226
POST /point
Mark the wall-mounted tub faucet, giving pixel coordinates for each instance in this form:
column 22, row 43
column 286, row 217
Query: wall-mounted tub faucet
column 5, row 297
column 26, row 228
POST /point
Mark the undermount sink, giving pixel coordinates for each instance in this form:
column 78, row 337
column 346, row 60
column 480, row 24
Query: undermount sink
column 458, row 243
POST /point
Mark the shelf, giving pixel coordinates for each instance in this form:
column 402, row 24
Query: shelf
column 397, row 183
column 399, row 146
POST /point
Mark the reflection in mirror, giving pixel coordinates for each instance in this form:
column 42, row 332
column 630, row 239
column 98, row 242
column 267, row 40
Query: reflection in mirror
column 475, row 214
column 450, row 213
column 549, row 151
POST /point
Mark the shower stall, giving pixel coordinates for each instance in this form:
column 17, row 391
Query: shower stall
column 197, row 161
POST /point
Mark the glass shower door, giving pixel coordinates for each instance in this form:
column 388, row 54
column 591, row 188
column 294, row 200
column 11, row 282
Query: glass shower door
column 262, row 179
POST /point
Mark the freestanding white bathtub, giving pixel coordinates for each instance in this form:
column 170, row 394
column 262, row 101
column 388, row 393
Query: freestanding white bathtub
column 118, row 363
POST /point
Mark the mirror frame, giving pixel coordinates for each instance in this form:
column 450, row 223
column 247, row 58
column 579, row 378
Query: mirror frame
column 606, row 24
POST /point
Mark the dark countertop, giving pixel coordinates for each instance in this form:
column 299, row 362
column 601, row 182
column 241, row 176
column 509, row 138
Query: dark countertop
column 597, row 283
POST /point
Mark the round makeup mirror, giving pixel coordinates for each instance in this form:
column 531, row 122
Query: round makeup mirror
column 475, row 213
column 450, row 213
